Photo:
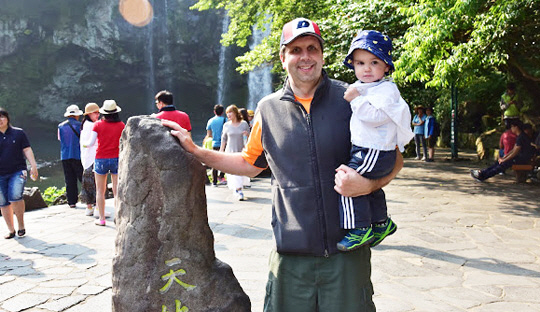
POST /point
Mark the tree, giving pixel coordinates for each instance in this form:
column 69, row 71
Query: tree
column 476, row 45
column 462, row 41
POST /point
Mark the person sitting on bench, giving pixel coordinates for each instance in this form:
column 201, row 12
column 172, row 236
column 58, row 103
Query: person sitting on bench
column 521, row 154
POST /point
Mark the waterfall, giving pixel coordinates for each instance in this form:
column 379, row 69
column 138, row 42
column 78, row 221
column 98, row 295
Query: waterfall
column 151, row 70
column 222, row 64
column 164, row 22
column 259, row 79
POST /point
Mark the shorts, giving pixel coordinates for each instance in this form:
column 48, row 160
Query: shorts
column 341, row 282
column 12, row 187
column 105, row 165
column 431, row 141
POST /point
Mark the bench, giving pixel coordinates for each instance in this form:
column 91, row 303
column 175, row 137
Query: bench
column 521, row 172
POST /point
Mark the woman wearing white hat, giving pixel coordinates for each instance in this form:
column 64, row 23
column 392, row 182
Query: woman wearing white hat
column 107, row 132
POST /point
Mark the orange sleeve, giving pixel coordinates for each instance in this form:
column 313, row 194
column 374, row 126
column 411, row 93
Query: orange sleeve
column 253, row 152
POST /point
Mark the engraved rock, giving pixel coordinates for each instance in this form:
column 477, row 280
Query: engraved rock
column 165, row 259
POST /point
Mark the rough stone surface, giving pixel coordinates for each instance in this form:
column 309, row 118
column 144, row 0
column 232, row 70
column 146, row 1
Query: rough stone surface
column 33, row 199
column 164, row 247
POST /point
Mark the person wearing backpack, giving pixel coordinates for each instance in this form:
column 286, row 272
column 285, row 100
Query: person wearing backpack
column 431, row 133
column 69, row 132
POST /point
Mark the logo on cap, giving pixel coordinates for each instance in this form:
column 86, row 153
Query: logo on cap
column 299, row 27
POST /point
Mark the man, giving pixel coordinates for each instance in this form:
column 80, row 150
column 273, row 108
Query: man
column 510, row 103
column 164, row 102
column 521, row 154
column 14, row 148
column 214, row 127
column 69, row 132
column 302, row 133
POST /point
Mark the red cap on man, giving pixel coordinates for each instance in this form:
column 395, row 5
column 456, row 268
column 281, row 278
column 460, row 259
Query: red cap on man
column 300, row 27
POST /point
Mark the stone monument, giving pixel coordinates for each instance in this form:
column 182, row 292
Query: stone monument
column 165, row 259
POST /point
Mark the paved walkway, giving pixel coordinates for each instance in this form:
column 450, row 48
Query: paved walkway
column 461, row 246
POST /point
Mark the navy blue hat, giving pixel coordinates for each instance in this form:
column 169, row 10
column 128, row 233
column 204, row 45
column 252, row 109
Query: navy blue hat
column 373, row 41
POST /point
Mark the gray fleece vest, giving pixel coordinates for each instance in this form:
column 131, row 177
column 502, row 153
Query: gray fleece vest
column 303, row 150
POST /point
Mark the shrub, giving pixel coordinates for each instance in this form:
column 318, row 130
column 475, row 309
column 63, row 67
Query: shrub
column 52, row 193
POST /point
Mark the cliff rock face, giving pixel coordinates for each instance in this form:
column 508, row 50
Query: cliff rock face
column 57, row 53
column 165, row 258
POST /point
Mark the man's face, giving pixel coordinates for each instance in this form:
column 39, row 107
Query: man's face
column 3, row 122
column 303, row 60
column 514, row 129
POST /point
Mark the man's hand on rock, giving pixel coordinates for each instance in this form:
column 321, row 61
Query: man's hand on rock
column 182, row 134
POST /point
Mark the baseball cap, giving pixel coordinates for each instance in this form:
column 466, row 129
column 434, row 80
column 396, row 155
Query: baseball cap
column 300, row 27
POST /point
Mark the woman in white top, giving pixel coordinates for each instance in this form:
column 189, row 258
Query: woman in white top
column 88, row 155
column 232, row 141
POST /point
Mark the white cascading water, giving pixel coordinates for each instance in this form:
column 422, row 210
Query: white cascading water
column 222, row 64
column 151, row 70
column 259, row 79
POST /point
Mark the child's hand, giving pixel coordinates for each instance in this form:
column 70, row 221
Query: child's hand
column 351, row 93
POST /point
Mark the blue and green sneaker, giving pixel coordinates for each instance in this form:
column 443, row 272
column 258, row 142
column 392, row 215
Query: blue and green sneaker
column 380, row 231
column 356, row 238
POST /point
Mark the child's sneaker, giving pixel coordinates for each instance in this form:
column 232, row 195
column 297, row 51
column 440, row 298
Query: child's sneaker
column 356, row 238
column 380, row 231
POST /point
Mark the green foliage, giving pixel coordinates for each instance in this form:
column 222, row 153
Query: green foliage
column 458, row 41
column 52, row 193
column 476, row 45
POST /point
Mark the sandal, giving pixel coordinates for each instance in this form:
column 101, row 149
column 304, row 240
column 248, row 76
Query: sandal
column 21, row 232
column 10, row 235
column 100, row 222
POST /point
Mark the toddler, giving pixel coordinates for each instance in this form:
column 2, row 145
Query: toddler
column 380, row 121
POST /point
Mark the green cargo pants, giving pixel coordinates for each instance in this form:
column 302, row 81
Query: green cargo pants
column 339, row 283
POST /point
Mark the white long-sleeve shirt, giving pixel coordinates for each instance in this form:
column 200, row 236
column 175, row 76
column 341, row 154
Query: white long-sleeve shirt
column 380, row 117
column 88, row 153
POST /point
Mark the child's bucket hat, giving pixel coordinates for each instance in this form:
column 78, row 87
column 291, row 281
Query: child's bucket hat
column 373, row 41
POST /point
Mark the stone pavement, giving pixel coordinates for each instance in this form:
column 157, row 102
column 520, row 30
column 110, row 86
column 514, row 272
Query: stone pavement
column 461, row 246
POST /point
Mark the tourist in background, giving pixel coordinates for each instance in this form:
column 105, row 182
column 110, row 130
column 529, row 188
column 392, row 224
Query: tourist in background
column 251, row 114
column 418, row 123
column 107, row 133
column 70, row 152
column 214, row 128
column 245, row 116
column 521, row 154
column 14, row 148
column 510, row 104
column 167, row 110
column 232, row 141
column 88, row 156
column 430, row 133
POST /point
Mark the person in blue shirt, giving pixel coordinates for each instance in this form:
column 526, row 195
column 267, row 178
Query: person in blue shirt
column 14, row 148
column 69, row 132
column 430, row 134
column 418, row 123
column 214, row 127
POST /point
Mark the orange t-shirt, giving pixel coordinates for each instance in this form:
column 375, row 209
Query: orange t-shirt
column 253, row 149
